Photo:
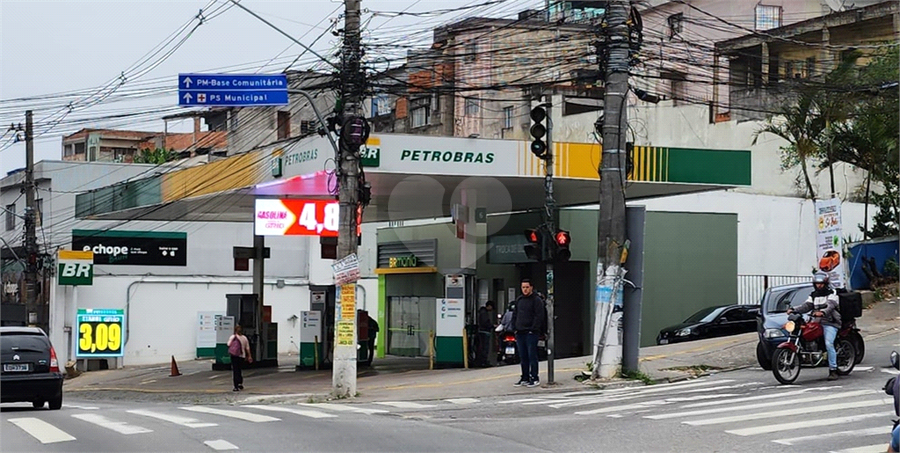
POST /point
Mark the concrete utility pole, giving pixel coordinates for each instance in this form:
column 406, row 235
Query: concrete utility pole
column 550, row 206
column 611, row 247
column 352, row 134
column 31, row 249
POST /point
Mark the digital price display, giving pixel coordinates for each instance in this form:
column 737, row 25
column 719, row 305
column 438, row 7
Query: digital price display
column 101, row 332
column 289, row 217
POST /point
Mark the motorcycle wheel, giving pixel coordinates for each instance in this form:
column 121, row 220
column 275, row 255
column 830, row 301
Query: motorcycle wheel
column 859, row 345
column 764, row 361
column 846, row 356
column 786, row 365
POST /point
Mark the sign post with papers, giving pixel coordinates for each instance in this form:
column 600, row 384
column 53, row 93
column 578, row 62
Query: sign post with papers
column 232, row 90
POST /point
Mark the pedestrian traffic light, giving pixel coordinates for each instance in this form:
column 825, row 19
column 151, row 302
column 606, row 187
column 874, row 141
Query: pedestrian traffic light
column 534, row 248
column 538, row 131
column 561, row 245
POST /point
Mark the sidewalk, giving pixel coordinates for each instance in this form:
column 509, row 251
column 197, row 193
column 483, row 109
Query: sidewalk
column 406, row 379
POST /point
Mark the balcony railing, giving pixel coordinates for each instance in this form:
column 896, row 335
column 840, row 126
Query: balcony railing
column 752, row 287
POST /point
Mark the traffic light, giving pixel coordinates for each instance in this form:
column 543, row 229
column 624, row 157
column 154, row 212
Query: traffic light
column 561, row 245
column 538, row 131
column 534, row 248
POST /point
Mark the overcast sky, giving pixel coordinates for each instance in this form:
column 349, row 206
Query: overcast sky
column 53, row 47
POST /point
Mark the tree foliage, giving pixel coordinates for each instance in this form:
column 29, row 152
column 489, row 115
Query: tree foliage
column 156, row 156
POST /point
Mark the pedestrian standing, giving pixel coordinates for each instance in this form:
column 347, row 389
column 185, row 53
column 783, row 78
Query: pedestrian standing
column 373, row 333
column 239, row 350
column 485, row 323
column 528, row 320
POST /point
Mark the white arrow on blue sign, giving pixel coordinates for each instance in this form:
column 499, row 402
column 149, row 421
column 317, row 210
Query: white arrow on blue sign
column 232, row 90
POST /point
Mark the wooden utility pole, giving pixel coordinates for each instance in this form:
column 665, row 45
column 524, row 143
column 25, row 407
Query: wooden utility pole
column 611, row 226
column 353, row 133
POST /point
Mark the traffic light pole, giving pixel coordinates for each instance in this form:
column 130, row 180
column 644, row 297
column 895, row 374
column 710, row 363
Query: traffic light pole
column 550, row 206
column 31, row 248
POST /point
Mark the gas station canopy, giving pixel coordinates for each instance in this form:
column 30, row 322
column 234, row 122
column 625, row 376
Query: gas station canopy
column 411, row 177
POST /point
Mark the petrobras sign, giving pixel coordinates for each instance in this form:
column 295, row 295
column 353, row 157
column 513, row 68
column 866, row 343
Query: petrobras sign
column 293, row 217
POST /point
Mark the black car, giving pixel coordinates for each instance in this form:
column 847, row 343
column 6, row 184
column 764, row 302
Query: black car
column 710, row 322
column 773, row 315
column 30, row 369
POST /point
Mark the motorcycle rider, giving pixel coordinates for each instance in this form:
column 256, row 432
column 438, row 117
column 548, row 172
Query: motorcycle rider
column 823, row 303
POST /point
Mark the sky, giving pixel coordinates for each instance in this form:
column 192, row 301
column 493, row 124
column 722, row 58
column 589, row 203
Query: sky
column 78, row 47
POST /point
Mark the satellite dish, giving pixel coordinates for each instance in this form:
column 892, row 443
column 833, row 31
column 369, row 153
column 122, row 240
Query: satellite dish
column 835, row 5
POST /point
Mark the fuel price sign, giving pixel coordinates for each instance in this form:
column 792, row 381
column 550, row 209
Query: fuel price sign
column 101, row 332
column 290, row 217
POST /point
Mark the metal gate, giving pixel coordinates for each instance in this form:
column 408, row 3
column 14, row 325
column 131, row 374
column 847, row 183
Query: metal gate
column 410, row 319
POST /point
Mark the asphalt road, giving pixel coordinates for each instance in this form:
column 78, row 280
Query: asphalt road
column 745, row 410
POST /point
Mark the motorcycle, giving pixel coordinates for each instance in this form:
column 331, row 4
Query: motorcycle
column 892, row 387
column 508, row 353
column 806, row 347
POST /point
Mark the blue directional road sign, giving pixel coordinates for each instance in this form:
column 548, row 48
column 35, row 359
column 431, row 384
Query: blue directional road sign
column 232, row 90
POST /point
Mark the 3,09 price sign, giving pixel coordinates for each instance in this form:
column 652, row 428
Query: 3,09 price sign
column 101, row 332
column 289, row 217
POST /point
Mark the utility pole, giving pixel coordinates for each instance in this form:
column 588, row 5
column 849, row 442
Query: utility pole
column 30, row 235
column 353, row 133
column 611, row 244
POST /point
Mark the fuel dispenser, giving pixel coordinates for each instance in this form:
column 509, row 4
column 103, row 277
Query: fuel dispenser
column 258, row 328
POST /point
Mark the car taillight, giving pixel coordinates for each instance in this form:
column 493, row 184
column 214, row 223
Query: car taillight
column 54, row 363
column 509, row 338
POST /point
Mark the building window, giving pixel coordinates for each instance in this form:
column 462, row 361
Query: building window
column 307, row 127
column 381, row 105
column 507, row 117
column 68, row 150
column 471, row 51
column 10, row 217
column 767, row 17
column 472, row 107
column 235, row 122
column 810, row 67
column 284, row 125
column 421, row 115
column 676, row 24
column 39, row 214
column 79, row 148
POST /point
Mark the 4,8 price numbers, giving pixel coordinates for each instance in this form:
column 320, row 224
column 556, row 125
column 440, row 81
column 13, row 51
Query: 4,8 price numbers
column 100, row 337
column 309, row 220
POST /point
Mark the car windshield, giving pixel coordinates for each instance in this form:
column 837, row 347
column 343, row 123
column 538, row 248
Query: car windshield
column 705, row 315
column 779, row 299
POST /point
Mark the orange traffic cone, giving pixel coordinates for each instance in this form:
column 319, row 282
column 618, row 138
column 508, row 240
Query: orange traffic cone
column 174, row 368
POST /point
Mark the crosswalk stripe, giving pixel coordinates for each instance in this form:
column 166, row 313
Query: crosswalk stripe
column 653, row 403
column 248, row 416
column 830, row 396
column 220, row 444
column 405, row 404
column 117, row 426
column 614, row 398
column 867, row 449
column 795, row 411
column 757, row 398
column 889, row 371
column 805, row 424
column 463, row 400
column 857, row 433
column 303, row 412
column 691, row 382
column 177, row 419
column 524, row 400
column 84, row 408
column 863, row 368
column 41, row 430
column 345, row 408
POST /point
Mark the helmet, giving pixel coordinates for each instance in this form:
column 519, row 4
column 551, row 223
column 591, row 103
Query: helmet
column 820, row 277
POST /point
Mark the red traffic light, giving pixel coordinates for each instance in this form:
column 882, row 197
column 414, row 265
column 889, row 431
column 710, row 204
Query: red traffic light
column 532, row 236
column 562, row 238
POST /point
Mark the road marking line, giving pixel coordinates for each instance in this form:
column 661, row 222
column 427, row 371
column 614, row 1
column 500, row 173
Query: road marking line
column 652, row 403
column 220, row 444
column 858, row 433
column 716, row 410
column 84, row 408
column 150, row 381
column 796, row 411
column 525, row 400
column 405, row 404
column 463, row 400
column 867, row 449
column 345, row 408
column 756, row 398
column 305, row 413
column 119, row 427
column 863, row 368
column 631, row 389
column 216, row 376
column 178, row 420
column 41, row 430
column 248, row 416
column 888, row 371
column 805, row 424
column 615, row 398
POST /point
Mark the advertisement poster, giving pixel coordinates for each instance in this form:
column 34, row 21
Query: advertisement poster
column 829, row 243
column 141, row 248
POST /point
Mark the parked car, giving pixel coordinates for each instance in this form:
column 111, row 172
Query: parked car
column 710, row 322
column 30, row 369
column 773, row 315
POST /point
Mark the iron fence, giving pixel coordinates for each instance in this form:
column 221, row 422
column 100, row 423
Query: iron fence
column 752, row 287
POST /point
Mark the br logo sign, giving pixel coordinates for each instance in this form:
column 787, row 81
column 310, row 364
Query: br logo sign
column 76, row 268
